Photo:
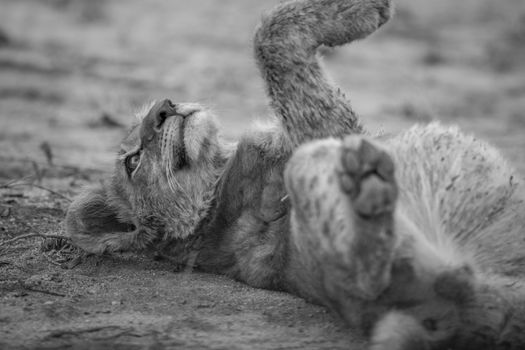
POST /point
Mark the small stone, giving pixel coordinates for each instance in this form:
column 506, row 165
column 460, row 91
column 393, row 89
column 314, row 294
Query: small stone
column 5, row 211
column 203, row 306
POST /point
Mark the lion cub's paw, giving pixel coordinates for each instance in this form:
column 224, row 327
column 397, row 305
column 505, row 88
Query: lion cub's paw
column 385, row 10
column 372, row 15
column 356, row 19
column 367, row 176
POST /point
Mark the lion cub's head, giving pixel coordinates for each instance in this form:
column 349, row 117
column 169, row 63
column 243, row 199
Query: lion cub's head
column 162, row 185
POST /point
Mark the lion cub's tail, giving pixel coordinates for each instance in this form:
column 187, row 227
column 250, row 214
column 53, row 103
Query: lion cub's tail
column 285, row 48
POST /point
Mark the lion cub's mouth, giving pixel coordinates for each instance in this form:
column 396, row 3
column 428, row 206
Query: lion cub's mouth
column 183, row 161
column 186, row 136
column 173, row 142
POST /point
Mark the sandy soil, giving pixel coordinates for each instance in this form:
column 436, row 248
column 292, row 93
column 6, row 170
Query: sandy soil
column 72, row 72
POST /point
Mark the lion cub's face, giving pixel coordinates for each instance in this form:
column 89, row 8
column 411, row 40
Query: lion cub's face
column 171, row 145
column 162, row 184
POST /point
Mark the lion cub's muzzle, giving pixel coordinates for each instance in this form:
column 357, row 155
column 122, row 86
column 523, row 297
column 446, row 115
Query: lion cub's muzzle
column 157, row 116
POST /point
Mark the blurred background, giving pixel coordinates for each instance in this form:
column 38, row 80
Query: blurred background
column 73, row 72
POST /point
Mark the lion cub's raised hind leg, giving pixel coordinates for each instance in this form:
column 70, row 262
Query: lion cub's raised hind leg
column 367, row 177
column 343, row 196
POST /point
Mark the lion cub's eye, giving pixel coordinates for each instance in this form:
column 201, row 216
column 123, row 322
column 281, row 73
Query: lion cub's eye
column 132, row 162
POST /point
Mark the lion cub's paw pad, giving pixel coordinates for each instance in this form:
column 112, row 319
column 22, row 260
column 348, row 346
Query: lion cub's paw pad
column 456, row 285
column 367, row 176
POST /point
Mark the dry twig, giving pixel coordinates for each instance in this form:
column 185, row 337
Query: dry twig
column 15, row 184
column 30, row 235
column 35, row 290
column 71, row 168
column 77, row 332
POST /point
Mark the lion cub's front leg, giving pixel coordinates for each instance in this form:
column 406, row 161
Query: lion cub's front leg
column 343, row 196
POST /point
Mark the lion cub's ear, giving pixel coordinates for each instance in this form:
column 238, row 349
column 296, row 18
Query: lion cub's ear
column 92, row 218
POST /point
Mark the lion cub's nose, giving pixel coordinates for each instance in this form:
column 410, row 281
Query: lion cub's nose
column 157, row 115
column 160, row 112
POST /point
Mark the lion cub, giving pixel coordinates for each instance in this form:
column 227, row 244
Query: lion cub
column 416, row 238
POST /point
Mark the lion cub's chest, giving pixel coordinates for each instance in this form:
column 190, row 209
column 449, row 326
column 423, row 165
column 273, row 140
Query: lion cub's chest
column 254, row 183
column 251, row 220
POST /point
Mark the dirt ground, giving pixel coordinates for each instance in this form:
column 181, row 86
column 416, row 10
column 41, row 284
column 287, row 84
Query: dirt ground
column 72, row 73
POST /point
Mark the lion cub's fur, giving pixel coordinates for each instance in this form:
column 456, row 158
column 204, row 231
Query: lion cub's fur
column 270, row 209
